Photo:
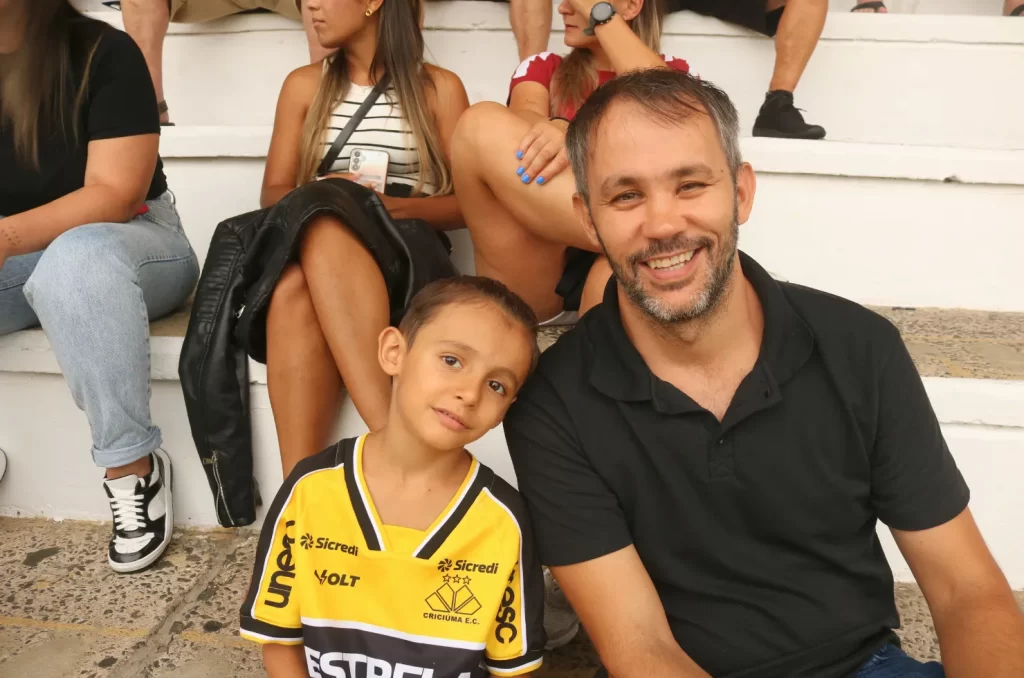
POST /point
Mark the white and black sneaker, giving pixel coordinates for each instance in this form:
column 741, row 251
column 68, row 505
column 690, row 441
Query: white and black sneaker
column 143, row 520
column 3, row 464
column 560, row 621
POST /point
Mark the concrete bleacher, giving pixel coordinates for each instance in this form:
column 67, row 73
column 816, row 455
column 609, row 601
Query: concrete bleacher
column 911, row 206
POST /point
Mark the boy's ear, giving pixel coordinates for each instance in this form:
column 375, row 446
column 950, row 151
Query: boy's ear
column 390, row 351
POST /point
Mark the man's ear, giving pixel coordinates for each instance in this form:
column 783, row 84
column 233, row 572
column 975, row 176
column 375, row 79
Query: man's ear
column 746, row 186
column 391, row 349
column 582, row 211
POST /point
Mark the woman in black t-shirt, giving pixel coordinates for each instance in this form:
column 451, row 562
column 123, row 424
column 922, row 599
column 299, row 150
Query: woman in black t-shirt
column 91, row 245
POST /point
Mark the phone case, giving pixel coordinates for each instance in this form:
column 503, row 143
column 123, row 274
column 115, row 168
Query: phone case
column 372, row 167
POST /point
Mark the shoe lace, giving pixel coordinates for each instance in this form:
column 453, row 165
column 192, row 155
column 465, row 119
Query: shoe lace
column 128, row 513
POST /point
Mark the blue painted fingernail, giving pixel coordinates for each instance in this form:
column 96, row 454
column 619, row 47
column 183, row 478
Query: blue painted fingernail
column 540, row 180
column 520, row 171
column 519, row 155
column 526, row 178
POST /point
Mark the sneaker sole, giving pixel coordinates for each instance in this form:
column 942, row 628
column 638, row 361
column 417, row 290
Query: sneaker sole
column 555, row 643
column 764, row 132
column 143, row 563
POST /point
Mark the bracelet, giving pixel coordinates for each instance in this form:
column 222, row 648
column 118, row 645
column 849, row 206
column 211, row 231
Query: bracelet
column 558, row 117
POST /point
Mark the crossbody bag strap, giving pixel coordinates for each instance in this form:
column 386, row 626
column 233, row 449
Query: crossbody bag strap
column 339, row 141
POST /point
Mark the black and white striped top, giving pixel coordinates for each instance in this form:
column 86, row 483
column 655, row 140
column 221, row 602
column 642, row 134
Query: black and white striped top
column 384, row 128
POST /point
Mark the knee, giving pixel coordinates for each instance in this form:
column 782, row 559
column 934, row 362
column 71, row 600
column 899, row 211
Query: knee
column 477, row 126
column 291, row 292
column 78, row 270
column 326, row 235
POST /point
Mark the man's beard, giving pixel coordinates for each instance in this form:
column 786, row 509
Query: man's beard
column 721, row 260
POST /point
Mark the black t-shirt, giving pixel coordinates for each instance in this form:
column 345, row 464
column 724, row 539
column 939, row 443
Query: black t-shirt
column 758, row 531
column 120, row 102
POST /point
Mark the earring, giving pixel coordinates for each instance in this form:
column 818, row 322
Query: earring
column 368, row 11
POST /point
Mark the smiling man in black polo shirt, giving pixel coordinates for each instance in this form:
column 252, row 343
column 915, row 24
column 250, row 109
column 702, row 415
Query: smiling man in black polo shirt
column 706, row 455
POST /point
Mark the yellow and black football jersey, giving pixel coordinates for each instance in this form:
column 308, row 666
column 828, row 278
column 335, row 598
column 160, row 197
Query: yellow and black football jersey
column 461, row 599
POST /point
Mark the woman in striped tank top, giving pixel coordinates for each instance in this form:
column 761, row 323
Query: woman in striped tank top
column 330, row 305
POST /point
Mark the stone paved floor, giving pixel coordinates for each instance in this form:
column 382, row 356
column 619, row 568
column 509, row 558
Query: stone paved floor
column 64, row 614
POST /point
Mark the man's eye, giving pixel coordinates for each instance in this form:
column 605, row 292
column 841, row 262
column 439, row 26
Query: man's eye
column 626, row 197
column 497, row 387
column 692, row 186
column 451, row 361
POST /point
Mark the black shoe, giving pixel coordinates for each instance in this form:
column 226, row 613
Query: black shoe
column 780, row 118
column 143, row 519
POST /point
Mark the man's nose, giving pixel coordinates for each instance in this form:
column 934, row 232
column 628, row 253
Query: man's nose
column 662, row 217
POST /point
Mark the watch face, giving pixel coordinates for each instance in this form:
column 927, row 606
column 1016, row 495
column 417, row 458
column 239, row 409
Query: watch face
column 602, row 11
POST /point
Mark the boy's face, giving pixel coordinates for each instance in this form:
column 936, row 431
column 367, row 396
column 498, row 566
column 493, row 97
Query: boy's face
column 461, row 373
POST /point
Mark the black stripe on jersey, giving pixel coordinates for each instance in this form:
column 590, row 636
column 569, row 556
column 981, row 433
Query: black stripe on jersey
column 356, row 497
column 531, row 574
column 484, row 477
column 269, row 631
column 329, row 458
column 515, row 663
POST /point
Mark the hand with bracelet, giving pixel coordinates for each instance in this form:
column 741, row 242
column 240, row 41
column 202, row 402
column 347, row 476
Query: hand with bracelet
column 541, row 153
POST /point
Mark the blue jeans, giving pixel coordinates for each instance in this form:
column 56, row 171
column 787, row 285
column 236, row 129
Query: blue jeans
column 892, row 662
column 94, row 290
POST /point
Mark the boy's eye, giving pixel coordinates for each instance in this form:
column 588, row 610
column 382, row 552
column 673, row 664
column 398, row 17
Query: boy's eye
column 497, row 387
column 451, row 361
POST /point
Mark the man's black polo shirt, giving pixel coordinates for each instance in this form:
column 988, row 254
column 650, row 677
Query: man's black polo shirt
column 759, row 531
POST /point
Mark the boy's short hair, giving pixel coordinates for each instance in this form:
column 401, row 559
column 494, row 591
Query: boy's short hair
column 468, row 289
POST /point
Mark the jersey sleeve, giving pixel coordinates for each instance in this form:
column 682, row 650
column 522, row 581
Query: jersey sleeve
column 540, row 68
column 122, row 101
column 515, row 643
column 677, row 64
column 270, row 612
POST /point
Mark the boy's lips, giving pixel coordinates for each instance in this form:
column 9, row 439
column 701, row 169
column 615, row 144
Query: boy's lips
column 450, row 420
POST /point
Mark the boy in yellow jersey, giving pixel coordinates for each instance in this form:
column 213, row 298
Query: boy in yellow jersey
column 398, row 554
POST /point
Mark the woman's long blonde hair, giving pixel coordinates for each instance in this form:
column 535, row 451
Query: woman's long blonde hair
column 576, row 77
column 36, row 80
column 400, row 52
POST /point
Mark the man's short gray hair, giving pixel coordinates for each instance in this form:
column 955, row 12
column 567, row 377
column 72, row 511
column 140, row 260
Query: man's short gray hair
column 668, row 95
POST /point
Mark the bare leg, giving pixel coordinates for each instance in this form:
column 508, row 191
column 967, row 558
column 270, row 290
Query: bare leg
column 316, row 51
column 531, row 24
column 351, row 302
column 139, row 467
column 798, row 34
column 519, row 231
column 302, row 379
column 147, row 21
column 593, row 290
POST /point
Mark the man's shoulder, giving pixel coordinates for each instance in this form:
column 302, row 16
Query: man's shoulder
column 835, row 321
column 564, row 361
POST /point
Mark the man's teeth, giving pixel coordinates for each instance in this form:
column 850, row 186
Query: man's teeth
column 669, row 262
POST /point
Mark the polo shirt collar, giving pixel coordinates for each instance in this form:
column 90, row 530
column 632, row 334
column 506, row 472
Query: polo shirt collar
column 618, row 370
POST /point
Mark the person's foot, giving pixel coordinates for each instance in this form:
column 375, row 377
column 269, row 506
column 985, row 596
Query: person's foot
column 143, row 519
column 3, row 464
column 1014, row 10
column 870, row 8
column 560, row 621
column 780, row 118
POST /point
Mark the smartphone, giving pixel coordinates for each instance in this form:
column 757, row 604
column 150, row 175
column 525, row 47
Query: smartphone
column 372, row 167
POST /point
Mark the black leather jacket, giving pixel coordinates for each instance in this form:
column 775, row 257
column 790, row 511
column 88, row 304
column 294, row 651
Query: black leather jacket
column 247, row 256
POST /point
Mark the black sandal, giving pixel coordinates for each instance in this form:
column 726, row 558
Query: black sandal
column 161, row 108
column 1017, row 11
column 870, row 5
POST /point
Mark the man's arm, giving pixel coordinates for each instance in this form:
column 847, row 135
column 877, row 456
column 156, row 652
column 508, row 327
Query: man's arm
column 980, row 627
column 620, row 608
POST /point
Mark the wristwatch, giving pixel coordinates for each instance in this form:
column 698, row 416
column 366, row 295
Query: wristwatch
column 600, row 14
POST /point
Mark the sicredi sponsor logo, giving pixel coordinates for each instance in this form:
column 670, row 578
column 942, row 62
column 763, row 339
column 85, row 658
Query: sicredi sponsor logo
column 308, row 541
column 352, row 665
column 446, row 565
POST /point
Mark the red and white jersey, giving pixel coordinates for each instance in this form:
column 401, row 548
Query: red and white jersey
column 540, row 68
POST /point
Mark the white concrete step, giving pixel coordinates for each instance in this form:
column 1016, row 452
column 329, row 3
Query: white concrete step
column 897, row 79
column 880, row 224
column 50, row 473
